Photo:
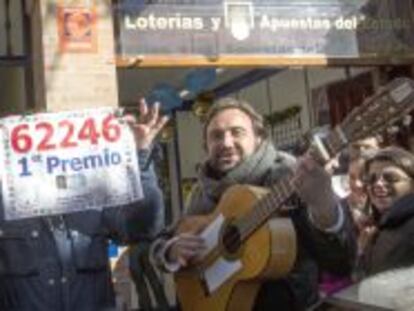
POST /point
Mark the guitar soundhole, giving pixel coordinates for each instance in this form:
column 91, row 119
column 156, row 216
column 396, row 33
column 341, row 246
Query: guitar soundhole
column 231, row 239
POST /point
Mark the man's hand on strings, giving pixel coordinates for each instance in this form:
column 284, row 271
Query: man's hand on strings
column 187, row 248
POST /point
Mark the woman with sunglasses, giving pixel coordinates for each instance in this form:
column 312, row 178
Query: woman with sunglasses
column 389, row 181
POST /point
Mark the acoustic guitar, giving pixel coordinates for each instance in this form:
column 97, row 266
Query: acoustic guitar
column 246, row 243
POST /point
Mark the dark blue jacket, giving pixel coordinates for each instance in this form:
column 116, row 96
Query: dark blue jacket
column 61, row 263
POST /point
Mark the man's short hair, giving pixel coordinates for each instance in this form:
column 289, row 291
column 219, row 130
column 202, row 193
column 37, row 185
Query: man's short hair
column 242, row 105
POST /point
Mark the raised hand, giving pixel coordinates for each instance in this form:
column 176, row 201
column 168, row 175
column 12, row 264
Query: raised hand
column 313, row 185
column 148, row 125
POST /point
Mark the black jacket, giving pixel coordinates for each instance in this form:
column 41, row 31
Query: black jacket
column 393, row 245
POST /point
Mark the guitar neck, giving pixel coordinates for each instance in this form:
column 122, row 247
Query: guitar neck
column 321, row 150
column 271, row 203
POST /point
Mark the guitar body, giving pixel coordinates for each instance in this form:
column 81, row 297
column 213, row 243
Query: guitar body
column 268, row 253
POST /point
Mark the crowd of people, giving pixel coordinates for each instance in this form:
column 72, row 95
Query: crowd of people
column 61, row 263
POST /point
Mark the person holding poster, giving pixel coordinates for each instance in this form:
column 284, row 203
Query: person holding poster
column 60, row 262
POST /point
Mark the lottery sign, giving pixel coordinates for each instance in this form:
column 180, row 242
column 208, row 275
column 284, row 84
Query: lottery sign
column 63, row 162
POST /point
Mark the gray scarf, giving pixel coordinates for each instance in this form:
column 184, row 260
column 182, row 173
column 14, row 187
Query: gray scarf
column 255, row 169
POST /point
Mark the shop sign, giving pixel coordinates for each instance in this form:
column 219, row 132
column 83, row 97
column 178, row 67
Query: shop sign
column 328, row 29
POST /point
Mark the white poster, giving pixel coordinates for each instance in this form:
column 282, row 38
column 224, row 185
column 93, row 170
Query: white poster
column 68, row 161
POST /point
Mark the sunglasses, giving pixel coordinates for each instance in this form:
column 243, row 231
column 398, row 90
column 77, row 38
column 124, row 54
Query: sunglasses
column 388, row 177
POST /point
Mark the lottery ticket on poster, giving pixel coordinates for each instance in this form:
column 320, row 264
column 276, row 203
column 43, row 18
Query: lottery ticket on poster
column 54, row 163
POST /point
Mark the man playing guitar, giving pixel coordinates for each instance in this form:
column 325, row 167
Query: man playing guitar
column 239, row 152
